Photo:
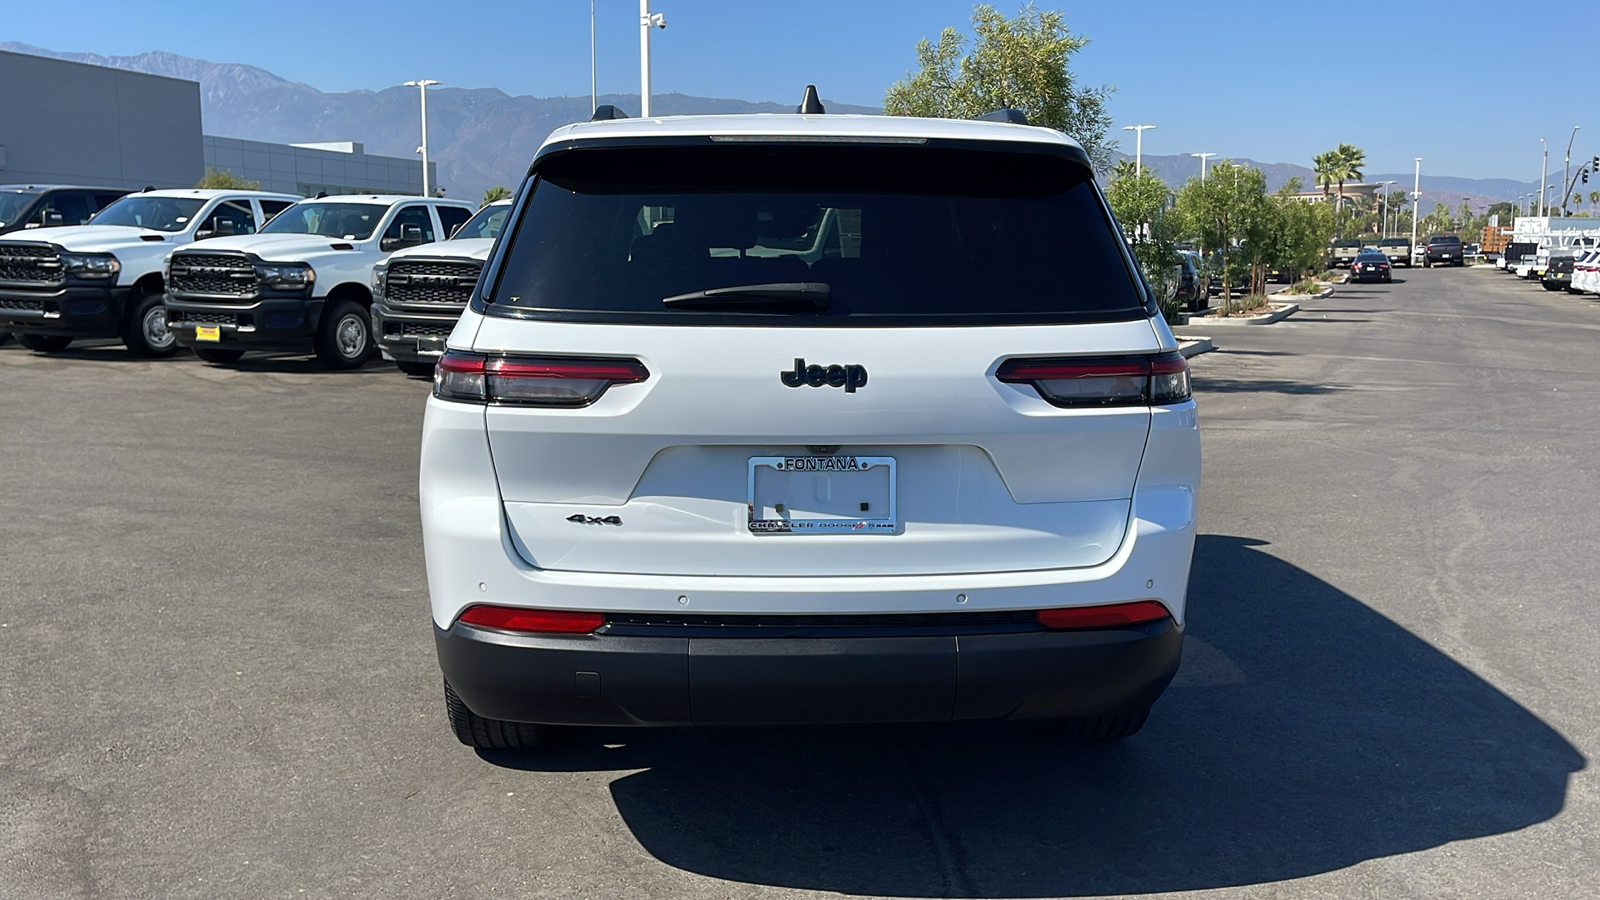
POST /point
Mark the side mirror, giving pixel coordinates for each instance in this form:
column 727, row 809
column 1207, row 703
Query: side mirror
column 54, row 220
column 410, row 235
column 221, row 227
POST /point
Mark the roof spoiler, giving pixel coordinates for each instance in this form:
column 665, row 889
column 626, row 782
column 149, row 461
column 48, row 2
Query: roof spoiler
column 810, row 104
column 605, row 112
column 1007, row 116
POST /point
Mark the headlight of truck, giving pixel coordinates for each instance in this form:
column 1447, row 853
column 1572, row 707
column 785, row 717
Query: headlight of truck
column 380, row 273
column 91, row 265
column 289, row 275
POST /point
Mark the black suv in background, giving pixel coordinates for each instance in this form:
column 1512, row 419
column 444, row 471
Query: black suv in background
column 1445, row 250
column 50, row 205
column 1558, row 274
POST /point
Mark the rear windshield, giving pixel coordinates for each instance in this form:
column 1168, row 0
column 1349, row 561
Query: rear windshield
column 900, row 235
column 1444, row 239
column 1393, row 242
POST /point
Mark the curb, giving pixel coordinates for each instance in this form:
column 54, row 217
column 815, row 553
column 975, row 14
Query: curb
column 1194, row 346
column 1277, row 315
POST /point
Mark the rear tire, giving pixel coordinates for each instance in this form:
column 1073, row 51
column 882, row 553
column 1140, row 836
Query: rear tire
column 46, row 343
column 344, row 339
column 416, row 369
column 144, row 328
column 490, row 734
column 214, row 355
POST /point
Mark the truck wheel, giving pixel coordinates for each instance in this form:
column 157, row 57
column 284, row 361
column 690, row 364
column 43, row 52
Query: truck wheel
column 489, row 734
column 416, row 369
column 344, row 339
column 215, row 355
column 144, row 328
column 46, row 343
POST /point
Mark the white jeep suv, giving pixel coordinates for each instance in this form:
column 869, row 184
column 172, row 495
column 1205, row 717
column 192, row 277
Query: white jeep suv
column 797, row 419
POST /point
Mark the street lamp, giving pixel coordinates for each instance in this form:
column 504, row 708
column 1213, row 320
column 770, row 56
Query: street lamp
column 1384, row 227
column 1416, row 203
column 647, row 19
column 1138, row 142
column 1566, row 172
column 1203, row 158
column 1544, row 172
column 594, row 94
column 422, row 85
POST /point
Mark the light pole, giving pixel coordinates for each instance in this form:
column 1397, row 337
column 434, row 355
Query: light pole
column 1138, row 142
column 1566, row 172
column 1384, row 227
column 1203, row 158
column 1544, row 172
column 1416, row 203
column 422, row 85
column 647, row 19
column 594, row 95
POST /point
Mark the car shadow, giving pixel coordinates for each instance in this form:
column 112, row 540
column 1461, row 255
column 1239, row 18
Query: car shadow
column 1207, row 384
column 1305, row 733
column 298, row 364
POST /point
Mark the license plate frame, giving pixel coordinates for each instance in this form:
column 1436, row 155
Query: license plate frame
column 208, row 333
column 764, row 518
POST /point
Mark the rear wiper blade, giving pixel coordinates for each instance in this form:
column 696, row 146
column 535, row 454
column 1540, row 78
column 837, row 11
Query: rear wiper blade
column 814, row 292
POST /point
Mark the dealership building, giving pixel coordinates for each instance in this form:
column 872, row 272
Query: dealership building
column 71, row 123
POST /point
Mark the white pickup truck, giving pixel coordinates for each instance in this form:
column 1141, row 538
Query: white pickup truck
column 104, row 279
column 303, row 282
column 418, row 293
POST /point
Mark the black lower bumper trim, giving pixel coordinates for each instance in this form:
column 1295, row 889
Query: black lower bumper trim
column 618, row 679
column 74, row 311
column 266, row 324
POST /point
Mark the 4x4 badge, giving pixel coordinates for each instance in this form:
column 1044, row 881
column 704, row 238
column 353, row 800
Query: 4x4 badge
column 582, row 519
column 848, row 377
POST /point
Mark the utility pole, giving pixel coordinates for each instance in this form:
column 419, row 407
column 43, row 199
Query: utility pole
column 1566, row 172
column 1203, row 158
column 422, row 85
column 1138, row 142
column 1544, row 172
column 1416, row 204
column 646, row 20
column 594, row 95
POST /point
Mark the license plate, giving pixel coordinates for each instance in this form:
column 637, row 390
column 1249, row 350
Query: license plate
column 1445, row 255
column 822, row 495
column 435, row 344
column 208, row 332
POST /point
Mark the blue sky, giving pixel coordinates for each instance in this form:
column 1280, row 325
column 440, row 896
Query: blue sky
column 1275, row 82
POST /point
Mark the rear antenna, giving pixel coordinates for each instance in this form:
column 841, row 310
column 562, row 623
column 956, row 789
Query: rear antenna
column 810, row 104
column 1008, row 116
column 148, row 188
column 605, row 112
column 320, row 195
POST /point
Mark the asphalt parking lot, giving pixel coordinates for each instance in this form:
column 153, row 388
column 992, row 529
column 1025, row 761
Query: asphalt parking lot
column 218, row 673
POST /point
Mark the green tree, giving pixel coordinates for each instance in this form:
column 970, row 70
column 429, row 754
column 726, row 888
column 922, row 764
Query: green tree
column 223, row 180
column 1342, row 163
column 1293, row 235
column 498, row 192
column 1022, row 63
column 1222, row 212
column 1142, row 204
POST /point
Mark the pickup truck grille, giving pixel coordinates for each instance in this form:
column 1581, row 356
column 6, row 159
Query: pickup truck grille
column 426, row 329
column 21, row 303
column 212, row 274
column 431, row 282
column 30, row 264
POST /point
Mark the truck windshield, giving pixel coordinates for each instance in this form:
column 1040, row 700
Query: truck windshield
column 486, row 224
column 14, row 204
column 900, row 236
column 156, row 213
column 349, row 221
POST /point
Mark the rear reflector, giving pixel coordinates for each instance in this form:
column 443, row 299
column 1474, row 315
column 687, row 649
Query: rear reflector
column 1103, row 381
column 1103, row 616
column 541, row 621
column 530, row 381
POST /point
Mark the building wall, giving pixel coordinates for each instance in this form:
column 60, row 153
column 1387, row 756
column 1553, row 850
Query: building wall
column 70, row 123
column 308, row 170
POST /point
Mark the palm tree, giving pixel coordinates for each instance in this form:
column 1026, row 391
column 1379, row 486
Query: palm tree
column 1349, row 161
column 1324, row 163
column 1594, row 199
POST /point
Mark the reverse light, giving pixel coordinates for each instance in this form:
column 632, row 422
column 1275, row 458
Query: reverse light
column 91, row 265
column 535, row 621
column 530, row 381
column 1103, row 381
column 1136, row 613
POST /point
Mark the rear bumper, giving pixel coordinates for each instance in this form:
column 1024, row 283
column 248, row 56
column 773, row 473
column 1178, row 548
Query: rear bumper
column 268, row 323
column 411, row 336
column 629, row 679
column 73, row 311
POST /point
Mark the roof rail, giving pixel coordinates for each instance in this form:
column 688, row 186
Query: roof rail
column 606, row 111
column 810, row 104
column 1008, row 116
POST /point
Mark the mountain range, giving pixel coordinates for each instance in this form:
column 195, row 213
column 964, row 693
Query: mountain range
column 484, row 137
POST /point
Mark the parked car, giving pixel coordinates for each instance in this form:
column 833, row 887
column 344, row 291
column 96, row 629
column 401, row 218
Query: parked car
column 1193, row 287
column 105, row 279
column 1371, row 264
column 1558, row 273
column 1586, row 271
column 659, row 487
column 1342, row 253
column 27, row 206
column 304, row 282
column 1444, row 250
column 1398, row 250
column 418, row 293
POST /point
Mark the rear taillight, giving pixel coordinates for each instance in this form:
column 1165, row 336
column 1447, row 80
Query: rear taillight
column 1136, row 613
column 1103, row 381
column 537, row 621
column 530, row 381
